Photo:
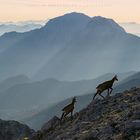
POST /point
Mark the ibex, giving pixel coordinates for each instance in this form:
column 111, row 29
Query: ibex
column 68, row 109
column 107, row 85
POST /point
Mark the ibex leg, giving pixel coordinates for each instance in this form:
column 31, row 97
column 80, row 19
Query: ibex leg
column 108, row 92
column 96, row 94
column 62, row 116
column 111, row 90
column 101, row 95
column 71, row 115
column 66, row 114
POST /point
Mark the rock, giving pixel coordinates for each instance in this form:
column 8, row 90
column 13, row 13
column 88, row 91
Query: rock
column 37, row 136
column 51, row 124
column 13, row 130
column 134, row 125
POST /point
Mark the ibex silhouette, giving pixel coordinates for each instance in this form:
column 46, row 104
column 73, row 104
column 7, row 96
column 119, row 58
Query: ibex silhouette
column 68, row 109
column 107, row 85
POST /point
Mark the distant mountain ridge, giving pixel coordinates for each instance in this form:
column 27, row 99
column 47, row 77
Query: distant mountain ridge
column 41, row 95
column 4, row 28
column 12, row 81
column 68, row 48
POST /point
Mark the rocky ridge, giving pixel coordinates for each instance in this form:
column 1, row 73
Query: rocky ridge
column 115, row 118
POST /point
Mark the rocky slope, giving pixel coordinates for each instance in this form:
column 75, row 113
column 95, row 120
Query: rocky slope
column 115, row 118
column 12, row 130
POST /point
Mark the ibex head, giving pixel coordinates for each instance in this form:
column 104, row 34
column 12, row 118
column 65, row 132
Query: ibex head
column 74, row 100
column 115, row 78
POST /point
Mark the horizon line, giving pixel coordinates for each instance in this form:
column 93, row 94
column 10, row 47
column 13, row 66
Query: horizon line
column 47, row 19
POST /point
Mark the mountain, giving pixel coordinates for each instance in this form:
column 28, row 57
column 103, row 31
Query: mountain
column 129, row 82
column 132, row 77
column 131, row 27
column 12, row 81
column 29, row 51
column 86, row 54
column 13, row 130
column 9, row 27
column 68, row 48
column 36, row 120
column 127, row 85
column 116, row 118
column 40, row 96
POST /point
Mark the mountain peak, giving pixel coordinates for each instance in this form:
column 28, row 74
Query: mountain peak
column 69, row 18
column 76, row 14
column 106, row 22
column 73, row 14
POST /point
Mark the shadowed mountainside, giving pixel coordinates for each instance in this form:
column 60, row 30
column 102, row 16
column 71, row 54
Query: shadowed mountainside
column 69, row 47
column 13, row 130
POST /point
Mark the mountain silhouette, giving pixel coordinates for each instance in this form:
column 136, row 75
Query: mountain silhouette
column 70, row 47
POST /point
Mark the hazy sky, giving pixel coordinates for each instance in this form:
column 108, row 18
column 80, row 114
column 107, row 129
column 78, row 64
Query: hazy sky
column 19, row 10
